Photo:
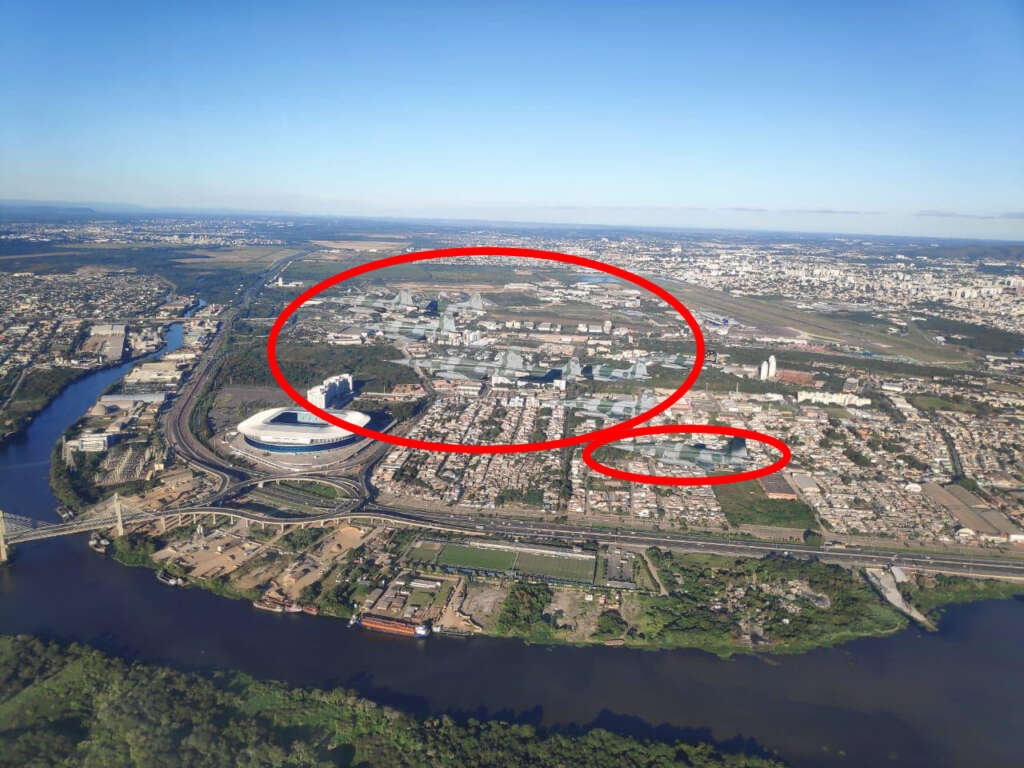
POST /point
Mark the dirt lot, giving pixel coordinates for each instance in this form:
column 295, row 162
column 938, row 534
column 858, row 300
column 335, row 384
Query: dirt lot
column 265, row 572
column 233, row 404
column 299, row 576
column 576, row 611
column 483, row 603
column 345, row 538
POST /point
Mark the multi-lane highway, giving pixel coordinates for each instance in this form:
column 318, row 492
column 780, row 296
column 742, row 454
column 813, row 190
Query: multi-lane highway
column 231, row 480
column 935, row 563
column 178, row 422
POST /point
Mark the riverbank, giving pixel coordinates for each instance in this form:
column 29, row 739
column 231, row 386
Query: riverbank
column 73, row 705
column 46, row 385
column 907, row 698
column 727, row 607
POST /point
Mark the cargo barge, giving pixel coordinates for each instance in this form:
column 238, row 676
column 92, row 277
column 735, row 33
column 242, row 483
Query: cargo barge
column 276, row 605
column 390, row 625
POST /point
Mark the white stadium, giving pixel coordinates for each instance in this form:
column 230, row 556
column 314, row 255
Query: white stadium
column 294, row 430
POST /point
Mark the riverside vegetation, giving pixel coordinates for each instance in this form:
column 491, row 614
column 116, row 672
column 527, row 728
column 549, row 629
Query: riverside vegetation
column 718, row 604
column 74, row 706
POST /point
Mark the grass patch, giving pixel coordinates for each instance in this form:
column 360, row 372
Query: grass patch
column 317, row 489
column 936, row 403
column 948, row 590
column 423, row 553
column 463, row 556
column 554, row 567
column 747, row 504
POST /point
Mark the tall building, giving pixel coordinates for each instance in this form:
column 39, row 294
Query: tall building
column 771, row 366
column 763, row 371
column 333, row 392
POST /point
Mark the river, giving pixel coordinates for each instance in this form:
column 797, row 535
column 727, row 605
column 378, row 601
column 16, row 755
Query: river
column 948, row 698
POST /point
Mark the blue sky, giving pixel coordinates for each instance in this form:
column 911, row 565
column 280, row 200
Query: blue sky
column 899, row 118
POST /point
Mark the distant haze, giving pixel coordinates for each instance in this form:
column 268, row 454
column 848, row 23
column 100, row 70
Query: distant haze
column 890, row 118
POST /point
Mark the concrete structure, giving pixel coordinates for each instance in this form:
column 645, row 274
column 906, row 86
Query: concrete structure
column 333, row 392
column 292, row 430
column 832, row 398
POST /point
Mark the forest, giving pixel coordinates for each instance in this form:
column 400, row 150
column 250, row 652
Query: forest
column 309, row 364
column 74, row 706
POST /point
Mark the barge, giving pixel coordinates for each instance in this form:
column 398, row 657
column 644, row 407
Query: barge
column 391, row 625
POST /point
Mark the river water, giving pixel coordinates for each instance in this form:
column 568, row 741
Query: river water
column 952, row 697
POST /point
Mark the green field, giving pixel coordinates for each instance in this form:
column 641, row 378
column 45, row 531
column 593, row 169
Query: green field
column 462, row 556
column 746, row 503
column 935, row 403
column 420, row 598
column 552, row 566
column 422, row 553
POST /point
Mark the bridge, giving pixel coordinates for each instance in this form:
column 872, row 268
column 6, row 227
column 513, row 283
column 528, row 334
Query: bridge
column 15, row 529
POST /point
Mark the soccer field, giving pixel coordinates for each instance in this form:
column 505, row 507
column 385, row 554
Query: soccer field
column 462, row 556
column 422, row 553
column 552, row 566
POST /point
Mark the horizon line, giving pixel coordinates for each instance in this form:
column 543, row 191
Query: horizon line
column 138, row 209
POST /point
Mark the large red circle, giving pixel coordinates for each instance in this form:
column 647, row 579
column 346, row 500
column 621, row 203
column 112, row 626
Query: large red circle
column 444, row 253
column 675, row 429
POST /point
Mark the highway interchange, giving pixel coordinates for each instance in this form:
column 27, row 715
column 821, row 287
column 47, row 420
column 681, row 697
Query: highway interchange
column 230, row 481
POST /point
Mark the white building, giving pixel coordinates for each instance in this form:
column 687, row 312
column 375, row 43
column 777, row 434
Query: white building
column 333, row 392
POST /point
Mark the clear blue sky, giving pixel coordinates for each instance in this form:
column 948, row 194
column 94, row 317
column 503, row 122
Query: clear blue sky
column 893, row 117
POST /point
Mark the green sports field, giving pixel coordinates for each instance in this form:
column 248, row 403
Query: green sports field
column 423, row 553
column 552, row 566
column 462, row 556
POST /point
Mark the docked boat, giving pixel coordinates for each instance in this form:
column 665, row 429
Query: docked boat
column 292, row 608
column 169, row 579
column 391, row 625
column 98, row 544
column 264, row 604
column 65, row 513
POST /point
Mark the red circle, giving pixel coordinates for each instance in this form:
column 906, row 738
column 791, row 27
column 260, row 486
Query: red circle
column 443, row 253
column 674, row 429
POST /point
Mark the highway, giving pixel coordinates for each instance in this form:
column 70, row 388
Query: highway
column 933, row 563
column 231, row 480
column 178, row 422
column 23, row 529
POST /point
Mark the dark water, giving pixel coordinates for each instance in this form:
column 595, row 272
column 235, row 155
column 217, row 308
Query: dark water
column 954, row 697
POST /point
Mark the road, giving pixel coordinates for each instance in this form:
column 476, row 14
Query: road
column 232, row 479
column 23, row 529
column 933, row 563
column 178, row 423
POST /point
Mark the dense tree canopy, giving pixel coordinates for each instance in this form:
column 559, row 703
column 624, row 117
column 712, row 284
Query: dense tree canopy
column 75, row 706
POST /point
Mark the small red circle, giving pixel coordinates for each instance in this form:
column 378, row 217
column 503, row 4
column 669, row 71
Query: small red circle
column 675, row 429
column 529, row 253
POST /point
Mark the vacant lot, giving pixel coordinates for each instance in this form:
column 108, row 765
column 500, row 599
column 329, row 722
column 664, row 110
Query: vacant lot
column 552, row 566
column 935, row 403
column 483, row 604
column 747, row 504
column 462, row 556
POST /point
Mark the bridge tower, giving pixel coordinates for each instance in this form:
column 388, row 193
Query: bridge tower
column 3, row 539
column 119, row 529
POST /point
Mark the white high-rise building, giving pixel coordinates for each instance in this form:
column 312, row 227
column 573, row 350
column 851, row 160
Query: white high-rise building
column 763, row 371
column 771, row 366
column 333, row 392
